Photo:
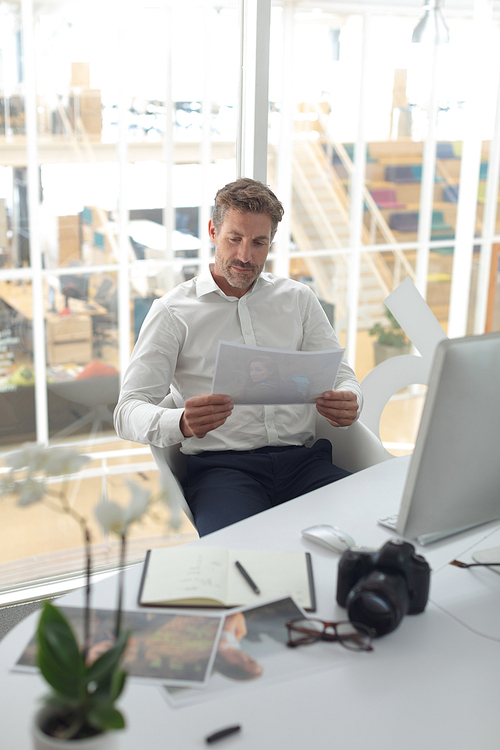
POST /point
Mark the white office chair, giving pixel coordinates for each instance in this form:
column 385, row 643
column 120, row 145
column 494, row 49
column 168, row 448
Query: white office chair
column 172, row 466
column 359, row 446
column 353, row 449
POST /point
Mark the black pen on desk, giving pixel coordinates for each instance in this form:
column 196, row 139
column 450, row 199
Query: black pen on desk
column 247, row 577
column 222, row 733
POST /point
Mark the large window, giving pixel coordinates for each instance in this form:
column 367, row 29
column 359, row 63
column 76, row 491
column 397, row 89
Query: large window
column 349, row 80
column 132, row 129
column 115, row 133
column 129, row 145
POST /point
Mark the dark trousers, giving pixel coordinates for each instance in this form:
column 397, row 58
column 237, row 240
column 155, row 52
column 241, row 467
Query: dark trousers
column 224, row 487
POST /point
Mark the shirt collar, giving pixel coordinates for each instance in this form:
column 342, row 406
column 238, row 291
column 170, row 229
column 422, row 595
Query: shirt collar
column 205, row 283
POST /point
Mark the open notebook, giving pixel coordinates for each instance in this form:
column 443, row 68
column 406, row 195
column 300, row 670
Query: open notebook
column 198, row 576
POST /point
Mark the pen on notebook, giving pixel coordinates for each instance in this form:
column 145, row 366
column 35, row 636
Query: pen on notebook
column 247, row 577
column 222, row 733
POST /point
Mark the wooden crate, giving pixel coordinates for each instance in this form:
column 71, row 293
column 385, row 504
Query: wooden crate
column 69, row 239
column 69, row 339
column 80, row 74
column 87, row 103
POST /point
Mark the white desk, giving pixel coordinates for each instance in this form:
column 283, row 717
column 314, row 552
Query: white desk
column 432, row 684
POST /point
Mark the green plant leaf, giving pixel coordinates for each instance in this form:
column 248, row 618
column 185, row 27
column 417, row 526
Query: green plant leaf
column 59, row 658
column 118, row 683
column 107, row 663
column 57, row 638
column 392, row 335
column 106, row 716
column 60, row 701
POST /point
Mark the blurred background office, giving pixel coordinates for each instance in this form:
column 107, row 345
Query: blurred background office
column 377, row 124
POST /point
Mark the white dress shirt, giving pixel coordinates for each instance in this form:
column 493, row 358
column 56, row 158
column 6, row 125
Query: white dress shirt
column 177, row 349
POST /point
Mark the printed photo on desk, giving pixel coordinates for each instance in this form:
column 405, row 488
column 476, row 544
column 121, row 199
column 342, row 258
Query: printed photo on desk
column 175, row 648
column 252, row 652
column 256, row 375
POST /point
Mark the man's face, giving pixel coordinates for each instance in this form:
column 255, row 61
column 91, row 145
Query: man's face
column 241, row 248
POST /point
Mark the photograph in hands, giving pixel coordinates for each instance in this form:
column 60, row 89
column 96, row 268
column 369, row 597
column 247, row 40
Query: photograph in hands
column 256, row 375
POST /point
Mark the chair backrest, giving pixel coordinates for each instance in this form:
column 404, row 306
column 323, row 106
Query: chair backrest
column 445, row 151
column 404, row 222
column 438, row 221
column 450, row 193
column 401, row 173
column 386, row 198
column 417, row 173
column 104, row 291
column 354, row 448
column 384, row 195
column 172, row 466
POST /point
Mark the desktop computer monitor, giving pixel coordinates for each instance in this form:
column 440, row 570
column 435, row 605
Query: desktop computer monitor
column 75, row 285
column 453, row 481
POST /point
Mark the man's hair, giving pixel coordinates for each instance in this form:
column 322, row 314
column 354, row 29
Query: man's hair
column 247, row 196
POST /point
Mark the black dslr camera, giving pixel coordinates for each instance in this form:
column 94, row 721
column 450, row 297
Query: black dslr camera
column 379, row 587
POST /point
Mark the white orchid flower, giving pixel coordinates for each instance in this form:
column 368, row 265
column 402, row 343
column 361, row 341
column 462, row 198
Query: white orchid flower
column 30, row 456
column 52, row 461
column 171, row 501
column 114, row 518
column 138, row 503
column 30, row 492
column 61, row 461
column 111, row 516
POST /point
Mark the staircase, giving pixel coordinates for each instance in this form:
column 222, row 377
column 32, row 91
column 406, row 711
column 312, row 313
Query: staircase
column 320, row 222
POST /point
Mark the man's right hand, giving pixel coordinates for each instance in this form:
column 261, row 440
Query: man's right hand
column 204, row 413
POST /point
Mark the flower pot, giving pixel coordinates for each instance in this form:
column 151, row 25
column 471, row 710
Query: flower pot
column 42, row 741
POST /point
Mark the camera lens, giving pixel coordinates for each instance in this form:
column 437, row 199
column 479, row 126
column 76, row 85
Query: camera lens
column 379, row 600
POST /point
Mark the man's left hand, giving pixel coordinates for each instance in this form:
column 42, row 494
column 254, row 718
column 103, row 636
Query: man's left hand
column 340, row 408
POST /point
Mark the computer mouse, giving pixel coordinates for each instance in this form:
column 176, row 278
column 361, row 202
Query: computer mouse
column 330, row 537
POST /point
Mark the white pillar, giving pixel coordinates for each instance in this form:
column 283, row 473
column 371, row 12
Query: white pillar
column 284, row 154
column 38, row 321
column 206, row 139
column 123, row 217
column 168, row 143
column 469, row 174
column 357, row 202
column 489, row 223
column 254, row 89
column 428, row 176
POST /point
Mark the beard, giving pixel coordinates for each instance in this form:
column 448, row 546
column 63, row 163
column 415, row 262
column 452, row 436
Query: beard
column 229, row 270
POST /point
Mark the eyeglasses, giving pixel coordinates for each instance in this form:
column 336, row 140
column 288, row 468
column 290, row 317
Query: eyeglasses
column 460, row 564
column 354, row 636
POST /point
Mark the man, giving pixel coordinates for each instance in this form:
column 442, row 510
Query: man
column 242, row 459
